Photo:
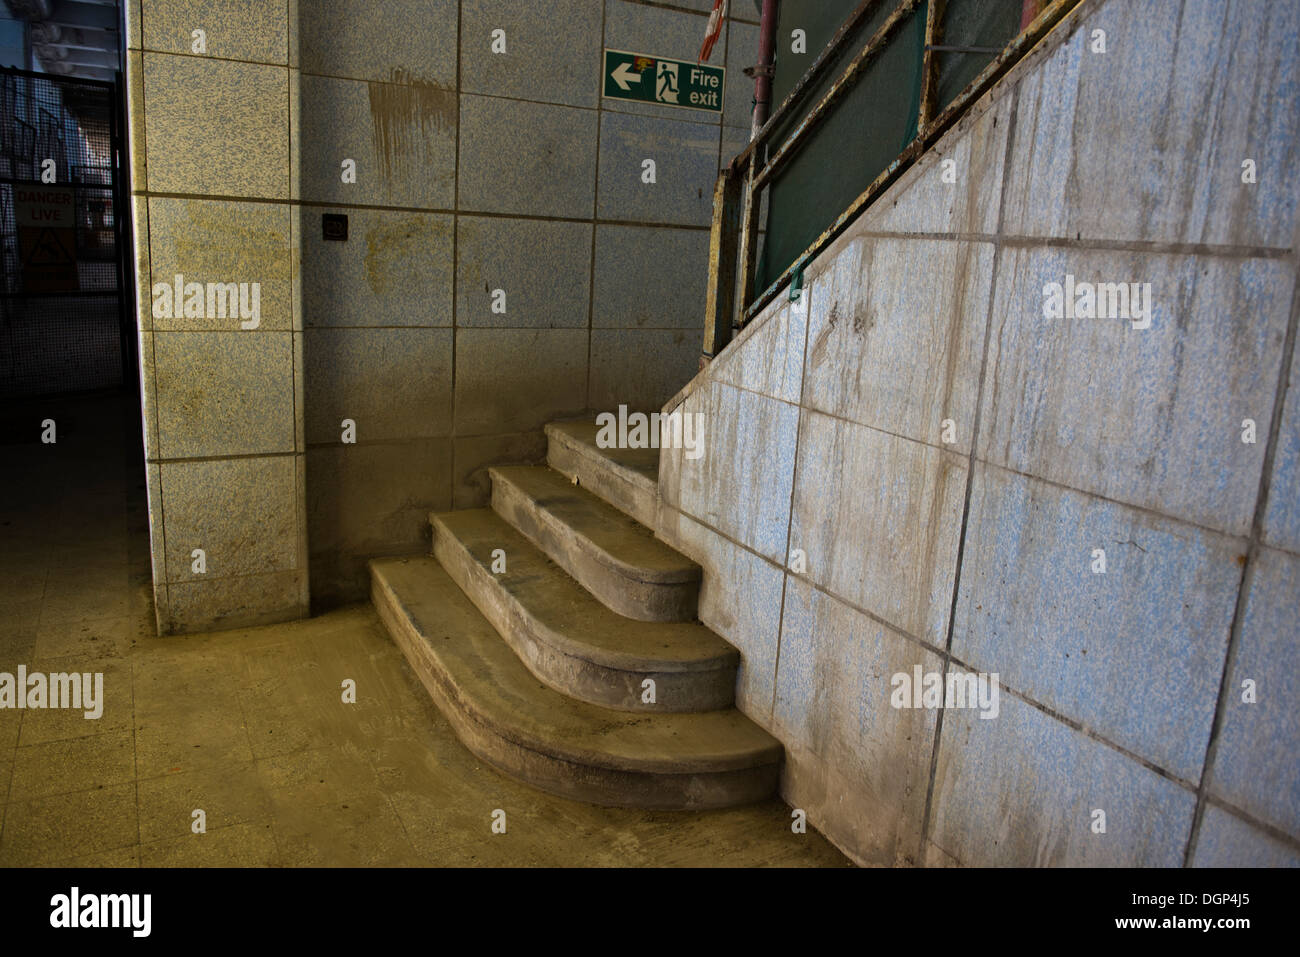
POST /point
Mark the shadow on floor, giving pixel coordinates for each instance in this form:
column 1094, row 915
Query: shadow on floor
column 249, row 726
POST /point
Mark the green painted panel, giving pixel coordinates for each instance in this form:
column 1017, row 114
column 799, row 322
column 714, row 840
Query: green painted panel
column 875, row 120
column 991, row 24
column 869, row 127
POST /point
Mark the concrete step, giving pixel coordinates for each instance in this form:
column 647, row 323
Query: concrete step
column 628, row 479
column 613, row 556
column 508, row 718
column 570, row 640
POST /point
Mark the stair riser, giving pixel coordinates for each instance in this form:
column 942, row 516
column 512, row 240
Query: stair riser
column 540, row 649
column 618, row 591
column 609, row 787
column 601, row 477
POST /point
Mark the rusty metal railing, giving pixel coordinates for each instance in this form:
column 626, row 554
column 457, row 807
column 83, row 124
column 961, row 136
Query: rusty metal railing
column 732, row 302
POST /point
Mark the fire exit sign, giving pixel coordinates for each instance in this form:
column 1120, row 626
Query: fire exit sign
column 656, row 79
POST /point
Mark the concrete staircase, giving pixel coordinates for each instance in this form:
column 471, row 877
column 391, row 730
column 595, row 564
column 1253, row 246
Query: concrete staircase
column 543, row 667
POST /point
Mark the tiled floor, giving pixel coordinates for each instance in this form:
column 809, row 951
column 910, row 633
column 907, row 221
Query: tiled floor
column 249, row 726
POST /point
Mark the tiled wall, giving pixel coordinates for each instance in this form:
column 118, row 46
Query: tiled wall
column 211, row 162
column 480, row 171
column 974, row 550
column 476, row 171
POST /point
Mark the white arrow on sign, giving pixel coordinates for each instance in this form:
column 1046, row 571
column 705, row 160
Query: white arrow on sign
column 622, row 75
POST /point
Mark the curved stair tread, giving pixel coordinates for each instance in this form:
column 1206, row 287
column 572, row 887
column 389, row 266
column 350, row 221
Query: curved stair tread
column 578, row 622
column 481, row 675
column 612, row 537
column 645, row 462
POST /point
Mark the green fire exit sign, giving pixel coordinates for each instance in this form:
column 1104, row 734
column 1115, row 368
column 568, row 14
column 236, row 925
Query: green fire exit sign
column 656, row 79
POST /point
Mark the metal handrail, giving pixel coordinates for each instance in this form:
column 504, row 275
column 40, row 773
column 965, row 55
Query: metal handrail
column 732, row 245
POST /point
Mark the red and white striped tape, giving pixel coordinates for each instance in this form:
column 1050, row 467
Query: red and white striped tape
column 716, row 20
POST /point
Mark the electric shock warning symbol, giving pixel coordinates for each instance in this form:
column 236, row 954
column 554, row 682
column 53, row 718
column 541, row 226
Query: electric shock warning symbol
column 49, row 249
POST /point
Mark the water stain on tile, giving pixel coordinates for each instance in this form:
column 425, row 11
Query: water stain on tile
column 392, row 246
column 404, row 110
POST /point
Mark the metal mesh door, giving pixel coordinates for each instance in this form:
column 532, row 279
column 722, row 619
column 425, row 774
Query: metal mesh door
column 60, row 270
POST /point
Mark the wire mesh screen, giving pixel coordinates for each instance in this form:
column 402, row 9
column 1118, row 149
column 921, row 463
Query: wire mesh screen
column 60, row 305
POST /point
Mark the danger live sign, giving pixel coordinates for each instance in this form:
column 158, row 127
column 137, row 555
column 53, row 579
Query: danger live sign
column 47, row 238
column 656, row 79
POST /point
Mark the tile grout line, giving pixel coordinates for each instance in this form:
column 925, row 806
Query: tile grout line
column 1053, row 483
column 946, row 655
column 1247, row 577
column 302, row 561
column 162, row 609
column 455, row 261
column 794, row 485
column 595, row 213
column 425, row 210
column 1074, row 724
column 726, row 53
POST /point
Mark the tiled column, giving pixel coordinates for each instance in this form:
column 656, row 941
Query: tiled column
column 209, row 88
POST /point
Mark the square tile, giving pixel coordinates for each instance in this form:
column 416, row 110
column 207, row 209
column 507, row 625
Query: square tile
column 1022, row 789
column 685, row 156
column 239, row 845
column 740, row 483
column 526, row 158
column 242, row 513
column 896, row 349
column 211, row 737
column 1149, row 417
column 245, row 152
column 67, row 826
column 519, row 273
column 1248, row 770
column 113, row 702
column 1177, row 177
column 650, row 278
column 232, row 29
column 740, row 599
column 335, row 41
column 641, row 368
column 208, row 242
column 552, row 51
column 1032, row 608
column 517, row 380
column 392, row 383
column 229, row 795
column 771, row 359
column 76, row 764
column 394, row 270
column 400, row 132
column 856, row 764
column 361, row 832
column 1226, row 840
column 369, row 500
column 224, row 393
column 878, row 518
column 922, row 201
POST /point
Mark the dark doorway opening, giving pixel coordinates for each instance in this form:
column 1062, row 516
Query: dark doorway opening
column 65, row 289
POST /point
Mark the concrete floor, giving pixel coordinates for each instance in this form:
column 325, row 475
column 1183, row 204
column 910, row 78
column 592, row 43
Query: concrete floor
column 249, row 725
